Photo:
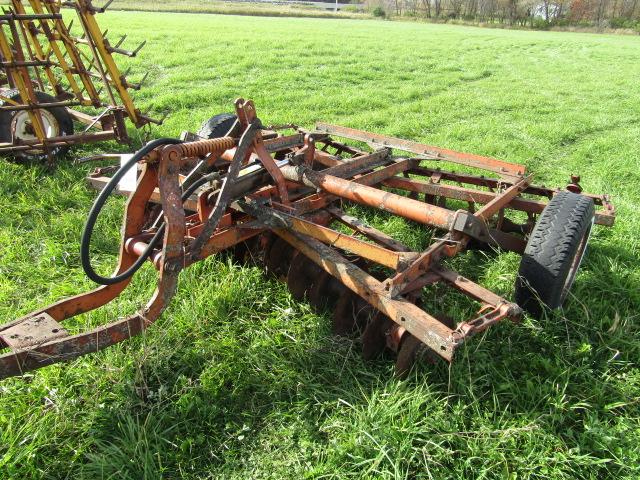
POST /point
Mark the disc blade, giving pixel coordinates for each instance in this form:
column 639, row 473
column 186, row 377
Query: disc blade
column 325, row 292
column 278, row 258
column 344, row 319
column 374, row 338
column 301, row 276
column 407, row 355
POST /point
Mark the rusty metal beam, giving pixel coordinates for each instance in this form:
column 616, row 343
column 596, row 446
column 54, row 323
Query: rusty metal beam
column 603, row 217
column 367, row 230
column 426, row 151
column 502, row 199
column 277, row 220
column 428, row 329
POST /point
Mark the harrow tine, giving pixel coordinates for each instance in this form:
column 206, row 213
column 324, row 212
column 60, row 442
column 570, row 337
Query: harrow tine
column 128, row 53
column 162, row 119
column 137, row 86
column 120, row 41
column 135, row 52
column 104, row 7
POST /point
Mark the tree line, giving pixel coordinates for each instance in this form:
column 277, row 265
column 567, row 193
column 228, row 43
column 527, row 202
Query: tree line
column 532, row 13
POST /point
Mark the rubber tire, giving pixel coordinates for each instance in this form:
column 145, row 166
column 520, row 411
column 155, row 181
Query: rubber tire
column 217, row 126
column 555, row 242
column 63, row 117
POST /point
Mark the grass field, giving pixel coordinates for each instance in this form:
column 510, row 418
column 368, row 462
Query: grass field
column 225, row 7
column 239, row 381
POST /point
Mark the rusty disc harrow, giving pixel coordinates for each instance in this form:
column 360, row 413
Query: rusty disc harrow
column 284, row 200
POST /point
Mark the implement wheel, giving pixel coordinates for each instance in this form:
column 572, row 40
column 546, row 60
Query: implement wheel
column 554, row 252
column 217, row 126
column 16, row 125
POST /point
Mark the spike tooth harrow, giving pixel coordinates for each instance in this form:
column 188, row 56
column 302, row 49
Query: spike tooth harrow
column 277, row 198
column 47, row 70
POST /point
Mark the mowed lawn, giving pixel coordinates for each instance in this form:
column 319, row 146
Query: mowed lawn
column 239, row 381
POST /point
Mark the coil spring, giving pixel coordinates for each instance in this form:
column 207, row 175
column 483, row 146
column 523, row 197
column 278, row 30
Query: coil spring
column 204, row 147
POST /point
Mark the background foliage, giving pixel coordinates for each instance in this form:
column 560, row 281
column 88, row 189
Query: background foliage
column 237, row 380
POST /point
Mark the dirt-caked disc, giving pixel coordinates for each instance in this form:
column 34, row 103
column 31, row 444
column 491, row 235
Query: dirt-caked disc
column 351, row 314
column 344, row 321
column 301, row 276
column 409, row 352
column 278, row 258
column 325, row 291
column 374, row 337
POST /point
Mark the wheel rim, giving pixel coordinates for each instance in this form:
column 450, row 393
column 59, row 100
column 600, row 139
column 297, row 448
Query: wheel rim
column 22, row 128
column 577, row 261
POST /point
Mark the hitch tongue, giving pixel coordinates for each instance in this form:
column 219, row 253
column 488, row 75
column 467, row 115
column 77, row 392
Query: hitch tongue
column 31, row 331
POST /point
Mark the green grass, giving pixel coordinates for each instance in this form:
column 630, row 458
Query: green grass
column 282, row 9
column 237, row 380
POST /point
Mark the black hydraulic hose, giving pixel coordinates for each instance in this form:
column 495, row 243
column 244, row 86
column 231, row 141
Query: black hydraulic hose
column 85, row 242
column 191, row 178
column 198, row 183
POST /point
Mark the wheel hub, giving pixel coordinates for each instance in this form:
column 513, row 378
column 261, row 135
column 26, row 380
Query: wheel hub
column 23, row 130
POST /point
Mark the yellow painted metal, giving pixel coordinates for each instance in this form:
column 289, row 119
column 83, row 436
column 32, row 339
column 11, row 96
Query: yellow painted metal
column 33, row 40
column 98, row 43
column 60, row 57
column 62, row 63
column 8, row 100
column 57, row 34
column 22, row 79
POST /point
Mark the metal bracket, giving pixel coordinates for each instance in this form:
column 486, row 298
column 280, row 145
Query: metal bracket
column 469, row 224
column 266, row 216
column 475, row 227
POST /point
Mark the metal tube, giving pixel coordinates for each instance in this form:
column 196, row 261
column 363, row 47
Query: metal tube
column 397, row 204
column 57, row 141
column 38, row 106
column 137, row 246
